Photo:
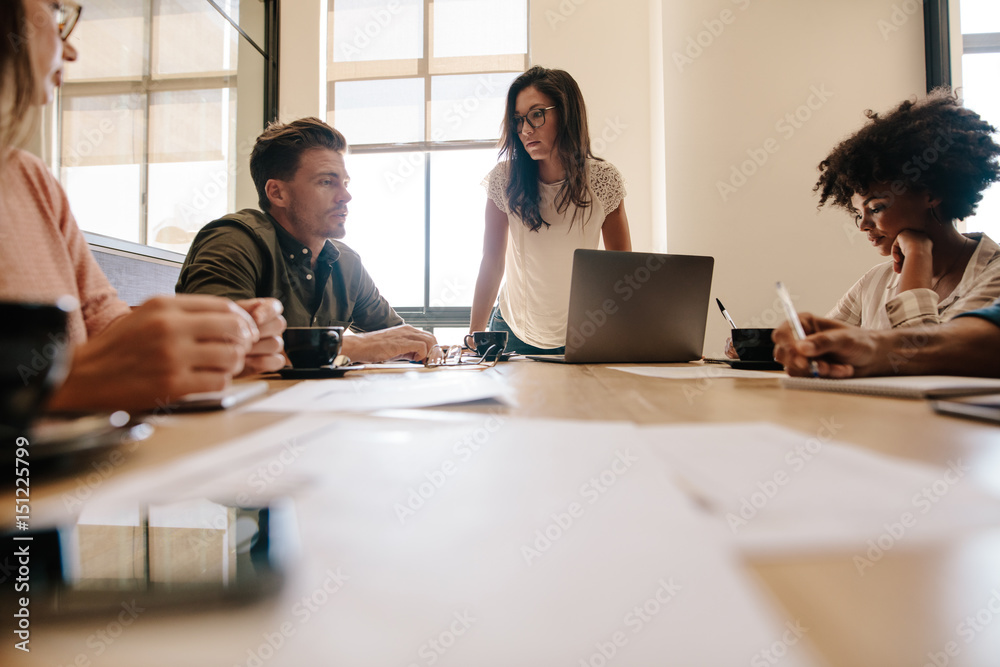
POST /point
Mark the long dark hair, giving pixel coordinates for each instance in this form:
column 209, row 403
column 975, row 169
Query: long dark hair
column 17, row 85
column 572, row 144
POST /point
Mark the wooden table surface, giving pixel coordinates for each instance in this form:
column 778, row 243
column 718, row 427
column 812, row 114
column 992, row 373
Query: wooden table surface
column 908, row 611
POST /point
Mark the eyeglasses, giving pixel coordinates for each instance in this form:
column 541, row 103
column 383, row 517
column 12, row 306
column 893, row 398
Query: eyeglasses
column 67, row 14
column 451, row 356
column 535, row 118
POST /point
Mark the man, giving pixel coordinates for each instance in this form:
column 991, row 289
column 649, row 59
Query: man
column 286, row 250
column 969, row 344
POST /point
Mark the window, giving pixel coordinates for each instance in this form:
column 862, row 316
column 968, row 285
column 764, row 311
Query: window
column 980, row 29
column 150, row 134
column 418, row 89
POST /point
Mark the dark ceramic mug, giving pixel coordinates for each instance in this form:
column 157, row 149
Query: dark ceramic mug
column 312, row 347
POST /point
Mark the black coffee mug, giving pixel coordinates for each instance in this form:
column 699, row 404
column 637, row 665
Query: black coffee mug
column 487, row 344
column 753, row 344
column 312, row 347
column 34, row 358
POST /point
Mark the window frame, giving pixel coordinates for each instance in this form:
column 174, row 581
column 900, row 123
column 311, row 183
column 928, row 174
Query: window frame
column 426, row 67
column 269, row 52
column 937, row 43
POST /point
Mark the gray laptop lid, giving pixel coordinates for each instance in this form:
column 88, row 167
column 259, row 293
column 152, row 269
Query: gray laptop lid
column 637, row 307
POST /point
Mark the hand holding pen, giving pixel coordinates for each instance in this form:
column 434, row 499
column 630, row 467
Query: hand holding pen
column 794, row 322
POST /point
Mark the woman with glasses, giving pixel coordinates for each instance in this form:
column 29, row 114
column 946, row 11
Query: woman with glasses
column 121, row 359
column 907, row 177
column 548, row 196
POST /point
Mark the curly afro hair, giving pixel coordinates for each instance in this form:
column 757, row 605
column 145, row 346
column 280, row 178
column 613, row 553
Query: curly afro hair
column 932, row 145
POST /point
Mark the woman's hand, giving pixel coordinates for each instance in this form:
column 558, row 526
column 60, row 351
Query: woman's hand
column 913, row 259
column 730, row 350
column 266, row 354
column 162, row 350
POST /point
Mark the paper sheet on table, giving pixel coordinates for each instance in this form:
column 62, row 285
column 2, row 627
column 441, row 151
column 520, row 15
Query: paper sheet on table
column 252, row 468
column 708, row 371
column 564, row 534
column 779, row 490
column 367, row 393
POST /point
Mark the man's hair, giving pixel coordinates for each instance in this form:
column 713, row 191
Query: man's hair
column 572, row 144
column 17, row 86
column 278, row 151
column 933, row 145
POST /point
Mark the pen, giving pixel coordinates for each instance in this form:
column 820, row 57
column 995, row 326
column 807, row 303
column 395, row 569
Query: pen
column 793, row 321
column 725, row 314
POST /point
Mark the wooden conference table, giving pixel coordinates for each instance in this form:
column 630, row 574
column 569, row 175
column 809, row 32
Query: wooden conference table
column 904, row 612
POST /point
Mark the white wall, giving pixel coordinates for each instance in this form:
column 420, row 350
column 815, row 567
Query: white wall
column 769, row 61
column 302, row 64
column 608, row 46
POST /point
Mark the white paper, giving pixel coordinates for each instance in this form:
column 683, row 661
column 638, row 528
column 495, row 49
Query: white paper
column 778, row 490
column 707, row 371
column 370, row 392
column 569, row 536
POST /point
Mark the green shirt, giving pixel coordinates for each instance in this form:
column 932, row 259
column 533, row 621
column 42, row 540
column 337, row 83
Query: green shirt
column 248, row 254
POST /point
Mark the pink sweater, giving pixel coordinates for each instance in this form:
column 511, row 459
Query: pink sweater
column 43, row 254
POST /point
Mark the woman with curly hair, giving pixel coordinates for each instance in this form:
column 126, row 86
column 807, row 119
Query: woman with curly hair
column 550, row 196
column 908, row 176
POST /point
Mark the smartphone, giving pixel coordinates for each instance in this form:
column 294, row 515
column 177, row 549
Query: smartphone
column 229, row 397
column 191, row 554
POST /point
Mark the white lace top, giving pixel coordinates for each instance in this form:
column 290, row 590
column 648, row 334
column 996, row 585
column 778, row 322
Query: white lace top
column 534, row 298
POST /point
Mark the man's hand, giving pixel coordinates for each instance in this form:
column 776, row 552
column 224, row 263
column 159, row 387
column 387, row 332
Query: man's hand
column 839, row 350
column 401, row 342
column 265, row 356
column 162, row 350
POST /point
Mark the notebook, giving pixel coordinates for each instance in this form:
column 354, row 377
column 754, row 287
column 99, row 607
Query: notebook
column 916, row 386
column 985, row 408
column 636, row 307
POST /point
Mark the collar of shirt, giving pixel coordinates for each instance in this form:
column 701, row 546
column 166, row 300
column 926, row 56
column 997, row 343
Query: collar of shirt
column 297, row 252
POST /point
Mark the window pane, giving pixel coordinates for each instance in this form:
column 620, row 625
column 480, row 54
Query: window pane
column 192, row 140
column 183, row 197
column 190, row 36
column 102, row 147
column 376, row 30
column 380, row 112
column 980, row 72
column 106, row 199
column 110, row 38
column 469, row 106
column 480, row 27
column 450, row 335
column 980, row 16
column 190, row 125
column 386, row 222
column 458, row 203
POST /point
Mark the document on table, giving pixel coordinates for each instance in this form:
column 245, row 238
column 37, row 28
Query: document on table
column 478, row 528
column 367, row 393
column 705, row 372
column 778, row 490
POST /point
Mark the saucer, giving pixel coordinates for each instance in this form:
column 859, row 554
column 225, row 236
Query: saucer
column 754, row 365
column 323, row 373
column 56, row 436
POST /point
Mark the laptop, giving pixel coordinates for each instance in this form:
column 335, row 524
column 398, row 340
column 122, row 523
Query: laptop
column 636, row 307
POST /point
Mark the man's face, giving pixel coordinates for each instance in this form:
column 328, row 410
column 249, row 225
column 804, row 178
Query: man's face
column 317, row 196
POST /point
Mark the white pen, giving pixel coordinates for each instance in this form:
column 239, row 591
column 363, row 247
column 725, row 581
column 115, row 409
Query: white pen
column 794, row 322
